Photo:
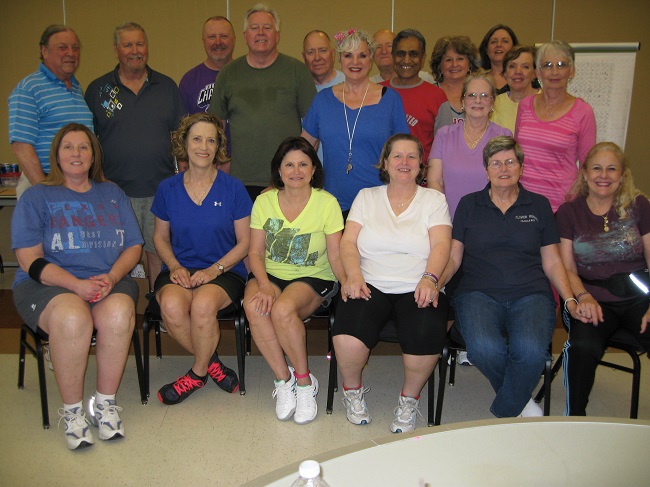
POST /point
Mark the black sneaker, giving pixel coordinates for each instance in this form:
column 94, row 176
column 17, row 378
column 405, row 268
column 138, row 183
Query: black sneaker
column 224, row 377
column 181, row 389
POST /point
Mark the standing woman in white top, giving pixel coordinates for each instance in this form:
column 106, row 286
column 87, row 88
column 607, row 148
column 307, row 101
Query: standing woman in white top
column 395, row 245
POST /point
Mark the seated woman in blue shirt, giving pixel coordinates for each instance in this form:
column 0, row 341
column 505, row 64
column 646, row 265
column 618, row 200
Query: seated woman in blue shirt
column 507, row 241
column 201, row 233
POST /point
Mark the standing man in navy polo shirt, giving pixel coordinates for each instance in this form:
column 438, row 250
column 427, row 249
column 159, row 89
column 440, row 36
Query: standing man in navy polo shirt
column 135, row 108
column 45, row 101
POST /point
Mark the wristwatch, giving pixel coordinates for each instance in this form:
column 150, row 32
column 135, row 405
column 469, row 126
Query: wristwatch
column 220, row 267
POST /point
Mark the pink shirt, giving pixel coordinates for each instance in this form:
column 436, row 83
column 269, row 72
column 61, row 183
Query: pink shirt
column 552, row 149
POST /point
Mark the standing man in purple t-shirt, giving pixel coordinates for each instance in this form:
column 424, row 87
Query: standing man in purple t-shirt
column 197, row 84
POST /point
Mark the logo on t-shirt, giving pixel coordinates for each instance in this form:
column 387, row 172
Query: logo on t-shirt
column 286, row 245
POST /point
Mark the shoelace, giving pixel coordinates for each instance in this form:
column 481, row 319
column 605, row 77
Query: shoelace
column 73, row 420
column 356, row 400
column 216, row 372
column 109, row 414
column 405, row 411
column 186, row 383
column 305, row 394
column 286, row 391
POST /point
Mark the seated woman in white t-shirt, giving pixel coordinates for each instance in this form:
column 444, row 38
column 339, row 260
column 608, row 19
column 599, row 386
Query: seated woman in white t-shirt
column 294, row 259
column 396, row 242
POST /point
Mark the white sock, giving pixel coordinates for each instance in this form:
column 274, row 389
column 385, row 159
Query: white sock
column 70, row 407
column 100, row 398
column 531, row 410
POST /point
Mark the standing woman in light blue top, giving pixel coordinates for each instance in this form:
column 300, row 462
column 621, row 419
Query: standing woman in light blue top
column 353, row 120
column 76, row 240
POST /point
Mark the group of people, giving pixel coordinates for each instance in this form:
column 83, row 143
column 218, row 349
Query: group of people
column 336, row 187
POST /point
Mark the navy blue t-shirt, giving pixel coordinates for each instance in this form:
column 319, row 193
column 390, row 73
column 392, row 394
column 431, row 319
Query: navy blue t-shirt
column 502, row 251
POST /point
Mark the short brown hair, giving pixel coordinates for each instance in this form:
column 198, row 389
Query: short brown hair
column 96, row 173
column 179, row 137
column 385, row 152
column 300, row 144
column 462, row 45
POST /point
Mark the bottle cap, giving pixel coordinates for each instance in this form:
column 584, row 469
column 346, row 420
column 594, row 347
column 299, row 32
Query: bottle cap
column 309, row 469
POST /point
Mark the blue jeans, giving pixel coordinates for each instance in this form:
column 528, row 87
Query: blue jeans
column 508, row 342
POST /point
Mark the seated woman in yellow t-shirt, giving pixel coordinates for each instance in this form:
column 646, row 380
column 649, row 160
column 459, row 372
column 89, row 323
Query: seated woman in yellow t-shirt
column 294, row 259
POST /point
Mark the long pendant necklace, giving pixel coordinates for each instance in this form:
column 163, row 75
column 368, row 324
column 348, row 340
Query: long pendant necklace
column 351, row 136
column 199, row 200
column 473, row 143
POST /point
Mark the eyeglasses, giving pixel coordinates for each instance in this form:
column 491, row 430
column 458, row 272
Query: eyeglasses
column 559, row 65
column 481, row 96
column 496, row 164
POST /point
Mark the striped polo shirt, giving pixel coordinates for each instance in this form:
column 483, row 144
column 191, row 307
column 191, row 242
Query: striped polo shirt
column 39, row 106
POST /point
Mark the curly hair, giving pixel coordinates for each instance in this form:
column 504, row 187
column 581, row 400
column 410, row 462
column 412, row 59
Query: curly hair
column 626, row 192
column 460, row 44
column 179, row 137
column 350, row 41
column 388, row 147
column 482, row 49
column 56, row 176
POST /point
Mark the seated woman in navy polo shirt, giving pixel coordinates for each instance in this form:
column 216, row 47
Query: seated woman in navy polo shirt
column 507, row 240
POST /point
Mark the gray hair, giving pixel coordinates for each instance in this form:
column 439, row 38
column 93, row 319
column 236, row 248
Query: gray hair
column 261, row 7
column 51, row 30
column 351, row 41
column 560, row 47
column 127, row 27
column 499, row 144
column 479, row 76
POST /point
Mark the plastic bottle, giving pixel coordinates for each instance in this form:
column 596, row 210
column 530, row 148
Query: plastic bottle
column 309, row 475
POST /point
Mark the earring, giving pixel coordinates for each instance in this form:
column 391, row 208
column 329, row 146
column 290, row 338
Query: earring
column 462, row 107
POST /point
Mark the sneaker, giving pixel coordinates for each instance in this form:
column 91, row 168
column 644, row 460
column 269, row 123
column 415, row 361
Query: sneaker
column 306, row 407
column 355, row 404
column 77, row 431
column 178, row 391
column 223, row 376
column 285, row 397
column 531, row 410
column 106, row 416
column 406, row 414
column 462, row 358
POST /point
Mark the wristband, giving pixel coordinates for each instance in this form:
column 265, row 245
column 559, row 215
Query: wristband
column 431, row 275
column 566, row 301
column 36, row 268
column 582, row 294
column 429, row 278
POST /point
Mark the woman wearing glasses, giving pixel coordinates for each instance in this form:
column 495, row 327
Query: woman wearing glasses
column 507, row 241
column 455, row 159
column 556, row 130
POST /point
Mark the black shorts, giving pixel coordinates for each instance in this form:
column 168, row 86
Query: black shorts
column 31, row 297
column 231, row 282
column 420, row 331
column 325, row 289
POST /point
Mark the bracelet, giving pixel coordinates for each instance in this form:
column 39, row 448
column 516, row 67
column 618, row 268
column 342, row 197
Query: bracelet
column 566, row 301
column 434, row 281
column 582, row 294
column 36, row 268
column 431, row 275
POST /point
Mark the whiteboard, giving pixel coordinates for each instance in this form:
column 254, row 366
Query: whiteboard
column 605, row 80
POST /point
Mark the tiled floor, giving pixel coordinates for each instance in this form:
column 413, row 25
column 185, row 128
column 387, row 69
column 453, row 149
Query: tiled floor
column 225, row 440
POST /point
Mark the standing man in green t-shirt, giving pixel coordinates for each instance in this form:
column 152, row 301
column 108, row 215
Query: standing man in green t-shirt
column 264, row 94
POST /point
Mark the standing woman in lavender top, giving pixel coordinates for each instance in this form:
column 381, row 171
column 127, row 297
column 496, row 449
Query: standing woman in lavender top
column 353, row 120
column 456, row 157
column 554, row 128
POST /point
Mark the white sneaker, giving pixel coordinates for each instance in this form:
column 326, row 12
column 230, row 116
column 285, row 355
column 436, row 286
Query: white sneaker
column 285, row 397
column 356, row 407
column 306, row 407
column 462, row 358
column 406, row 414
column 77, row 431
column 106, row 416
column 531, row 410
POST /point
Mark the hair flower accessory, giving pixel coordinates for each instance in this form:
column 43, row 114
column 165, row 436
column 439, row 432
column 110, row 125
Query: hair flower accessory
column 340, row 36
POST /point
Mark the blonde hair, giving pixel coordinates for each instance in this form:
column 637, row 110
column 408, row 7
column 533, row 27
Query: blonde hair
column 179, row 137
column 625, row 194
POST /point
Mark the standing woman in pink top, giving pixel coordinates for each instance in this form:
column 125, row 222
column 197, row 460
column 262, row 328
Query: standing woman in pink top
column 554, row 128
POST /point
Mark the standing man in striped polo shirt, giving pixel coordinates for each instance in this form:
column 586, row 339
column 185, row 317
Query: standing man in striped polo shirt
column 45, row 101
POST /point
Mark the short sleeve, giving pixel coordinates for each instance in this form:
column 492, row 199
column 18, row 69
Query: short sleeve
column 333, row 216
column 159, row 205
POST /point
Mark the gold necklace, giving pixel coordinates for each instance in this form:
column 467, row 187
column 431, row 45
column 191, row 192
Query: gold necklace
column 199, row 200
column 473, row 143
column 605, row 222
